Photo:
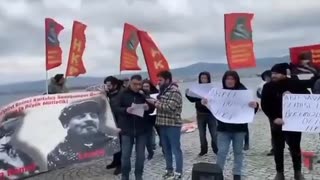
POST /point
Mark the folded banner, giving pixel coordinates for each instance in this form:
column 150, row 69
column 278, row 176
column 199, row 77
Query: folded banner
column 53, row 49
column 155, row 60
column 78, row 44
column 231, row 106
column 301, row 113
column 130, row 42
column 52, row 131
column 238, row 39
column 305, row 59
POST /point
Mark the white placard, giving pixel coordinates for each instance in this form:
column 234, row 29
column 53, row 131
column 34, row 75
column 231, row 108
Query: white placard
column 301, row 113
column 231, row 106
column 200, row 90
column 154, row 96
column 137, row 109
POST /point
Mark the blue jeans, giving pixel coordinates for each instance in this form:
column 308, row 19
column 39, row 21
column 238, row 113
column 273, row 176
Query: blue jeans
column 224, row 141
column 127, row 145
column 151, row 140
column 170, row 140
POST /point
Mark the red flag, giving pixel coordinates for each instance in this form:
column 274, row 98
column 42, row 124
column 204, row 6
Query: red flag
column 306, row 59
column 155, row 60
column 238, row 39
column 78, row 44
column 53, row 49
column 130, row 41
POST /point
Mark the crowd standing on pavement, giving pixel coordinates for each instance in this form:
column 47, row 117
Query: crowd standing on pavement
column 162, row 116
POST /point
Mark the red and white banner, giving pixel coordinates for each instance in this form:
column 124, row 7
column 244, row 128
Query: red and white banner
column 46, row 132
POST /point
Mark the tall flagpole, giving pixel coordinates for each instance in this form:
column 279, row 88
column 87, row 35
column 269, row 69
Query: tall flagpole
column 47, row 84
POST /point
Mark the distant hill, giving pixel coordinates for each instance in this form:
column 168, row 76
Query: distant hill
column 185, row 73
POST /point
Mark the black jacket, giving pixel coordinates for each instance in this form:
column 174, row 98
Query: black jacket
column 271, row 97
column 129, row 124
column 199, row 107
column 114, row 101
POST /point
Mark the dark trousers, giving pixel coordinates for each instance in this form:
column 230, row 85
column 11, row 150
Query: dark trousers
column 117, row 156
column 246, row 138
column 272, row 141
column 204, row 120
column 151, row 140
column 127, row 146
column 293, row 140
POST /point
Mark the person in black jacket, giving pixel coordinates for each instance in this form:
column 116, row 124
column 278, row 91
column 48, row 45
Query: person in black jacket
column 113, row 88
column 271, row 103
column 147, row 89
column 234, row 133
column 204, row 118
column 133, row 127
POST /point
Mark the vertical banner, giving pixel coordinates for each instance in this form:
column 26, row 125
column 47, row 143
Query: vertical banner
column 305, row 59
column 130, row 42
column 53, row 49
column 238, row 39
column 48, row 132
column 155, row 60
column 78, row 44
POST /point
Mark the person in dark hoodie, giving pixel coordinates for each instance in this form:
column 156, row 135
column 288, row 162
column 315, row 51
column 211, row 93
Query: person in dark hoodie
column 147, row 89
column 113, row 88
column 57, row 85
column 271, row 103
column 204, row 118
column 134, row 128
column 234, row 133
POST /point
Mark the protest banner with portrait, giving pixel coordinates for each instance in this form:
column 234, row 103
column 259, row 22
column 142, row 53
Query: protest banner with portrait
column 46, row 132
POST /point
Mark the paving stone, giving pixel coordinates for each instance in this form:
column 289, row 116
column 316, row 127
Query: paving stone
column 257, row 164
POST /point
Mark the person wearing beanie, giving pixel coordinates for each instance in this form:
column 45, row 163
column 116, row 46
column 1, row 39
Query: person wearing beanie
column 271, row 104
column 57, row 85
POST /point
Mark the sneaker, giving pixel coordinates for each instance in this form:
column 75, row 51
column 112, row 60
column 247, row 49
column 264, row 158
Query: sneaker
column 298, row 175
column 168, row 175
column 177, row 176
column 202, row 153
column 246, row 147
column 150, row 156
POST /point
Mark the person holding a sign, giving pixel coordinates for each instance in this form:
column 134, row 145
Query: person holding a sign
column 133, row 110
column 234, row 133
column 204, row 118
column 271, row 103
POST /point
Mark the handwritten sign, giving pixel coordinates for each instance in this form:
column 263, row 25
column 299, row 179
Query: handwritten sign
column 301, row 113
column 200, row 90
column 231, row 106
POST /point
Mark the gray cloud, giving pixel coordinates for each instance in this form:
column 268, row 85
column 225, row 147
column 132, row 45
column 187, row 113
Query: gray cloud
column 187, row 31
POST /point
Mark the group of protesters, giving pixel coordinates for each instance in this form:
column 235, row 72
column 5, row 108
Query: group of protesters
column 139, row 132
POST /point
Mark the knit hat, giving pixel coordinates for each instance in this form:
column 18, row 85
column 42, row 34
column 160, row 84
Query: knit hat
column 280, row 68
column 58, row 77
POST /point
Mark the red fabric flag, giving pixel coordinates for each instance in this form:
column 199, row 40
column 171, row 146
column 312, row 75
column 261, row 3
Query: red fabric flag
column 130, row 41
column 238, row 39
column 155, row 60
column 53, row 49
column 78, row 44
column 305, row 59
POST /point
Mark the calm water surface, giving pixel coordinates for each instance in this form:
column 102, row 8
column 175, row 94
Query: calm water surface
column 188, row 108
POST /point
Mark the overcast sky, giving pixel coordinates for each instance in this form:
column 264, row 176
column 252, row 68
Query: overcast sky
column 186, row 31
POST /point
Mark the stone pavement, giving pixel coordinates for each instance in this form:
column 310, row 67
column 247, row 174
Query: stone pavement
column 257, row 164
